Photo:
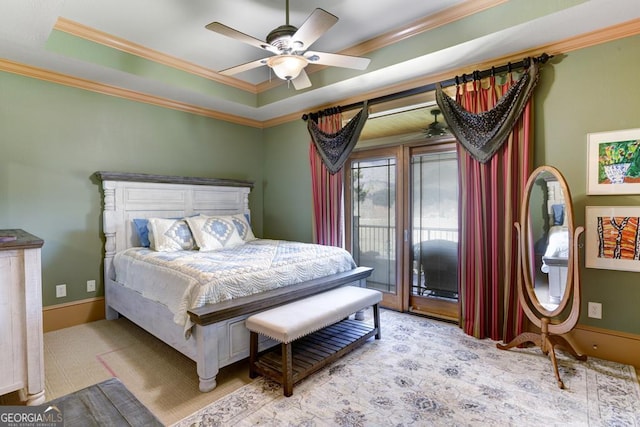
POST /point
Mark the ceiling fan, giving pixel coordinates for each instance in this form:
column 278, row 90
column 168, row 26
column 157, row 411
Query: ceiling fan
column 436, row 128
column 289, row 45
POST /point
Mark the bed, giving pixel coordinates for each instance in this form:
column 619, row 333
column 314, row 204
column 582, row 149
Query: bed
column 556, row 254
column 210, row 331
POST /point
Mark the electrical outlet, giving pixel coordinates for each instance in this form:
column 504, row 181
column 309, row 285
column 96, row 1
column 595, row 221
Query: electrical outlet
column 61, row 291
column 91, row 285
column 595, row 310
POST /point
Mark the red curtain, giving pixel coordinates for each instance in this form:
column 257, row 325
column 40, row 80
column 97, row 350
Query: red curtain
column 326, row 191
column 490, row 198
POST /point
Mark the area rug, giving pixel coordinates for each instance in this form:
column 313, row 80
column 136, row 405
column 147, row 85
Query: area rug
column 426, row 373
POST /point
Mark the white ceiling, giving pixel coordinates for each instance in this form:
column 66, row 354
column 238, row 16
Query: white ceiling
column 176, row 28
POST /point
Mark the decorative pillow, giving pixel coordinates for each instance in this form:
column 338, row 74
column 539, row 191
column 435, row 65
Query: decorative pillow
column 241, row 222
column 558, row 214
column 140, row 224
column 214, row 232
column 169, row 235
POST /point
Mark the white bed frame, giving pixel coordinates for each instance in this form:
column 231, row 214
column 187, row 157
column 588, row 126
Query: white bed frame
column 219, row 336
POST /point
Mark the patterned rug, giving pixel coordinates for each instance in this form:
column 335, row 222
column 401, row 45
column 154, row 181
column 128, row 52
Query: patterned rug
column 426, row 373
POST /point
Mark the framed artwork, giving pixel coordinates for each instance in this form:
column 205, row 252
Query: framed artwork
column 613, row 162
column 612, row 237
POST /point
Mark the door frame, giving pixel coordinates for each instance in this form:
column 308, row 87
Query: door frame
column 418, row 304
column 399, row 300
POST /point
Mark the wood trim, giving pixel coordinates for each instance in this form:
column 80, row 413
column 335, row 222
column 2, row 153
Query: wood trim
column 594, row 38
column 443, row 310
column 626, row 29
column 68, row 80
column 422, row 25
column 392, row 300
column 170, row 179
column 74, row 313
column 76, row 29
column 428, row 23
column 16, row 238
column 212, row 313
column 606, row 344
column 414, row 28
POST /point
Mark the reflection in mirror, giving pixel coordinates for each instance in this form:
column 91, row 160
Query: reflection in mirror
column 549, row 231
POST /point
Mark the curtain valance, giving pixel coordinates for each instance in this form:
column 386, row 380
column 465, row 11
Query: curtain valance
column 484, row 133
column 334, row 148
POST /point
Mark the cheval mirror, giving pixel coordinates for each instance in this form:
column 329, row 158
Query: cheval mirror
column 548, row 273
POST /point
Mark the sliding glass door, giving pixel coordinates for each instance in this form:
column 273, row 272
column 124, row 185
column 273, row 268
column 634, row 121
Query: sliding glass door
column 372, row 219
column 402, row 220
column 433, row 217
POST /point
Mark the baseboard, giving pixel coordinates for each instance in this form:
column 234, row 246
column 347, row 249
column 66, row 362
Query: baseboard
column 61, row 316
column 606, row 344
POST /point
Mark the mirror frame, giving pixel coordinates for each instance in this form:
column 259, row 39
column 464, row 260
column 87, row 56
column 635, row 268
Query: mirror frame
column 551, row 327
column 526, row 244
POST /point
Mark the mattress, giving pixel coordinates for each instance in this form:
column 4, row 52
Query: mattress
column 189, row 279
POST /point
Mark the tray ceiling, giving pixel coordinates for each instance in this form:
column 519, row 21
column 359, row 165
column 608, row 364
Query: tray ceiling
column 160, row 48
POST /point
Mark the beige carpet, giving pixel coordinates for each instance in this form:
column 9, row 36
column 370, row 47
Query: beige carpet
column 164, row 380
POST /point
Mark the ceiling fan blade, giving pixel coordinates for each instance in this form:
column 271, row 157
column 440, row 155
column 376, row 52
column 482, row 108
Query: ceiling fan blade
column 219, row 28
column 315, row 26
column 244, row 67
column 337, row 60
column 302, row 81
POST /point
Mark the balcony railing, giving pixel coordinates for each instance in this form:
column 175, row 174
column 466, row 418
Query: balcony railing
column 375, row 246
column 382, row 239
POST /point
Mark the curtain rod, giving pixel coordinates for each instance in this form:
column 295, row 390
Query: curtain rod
column 476, row 75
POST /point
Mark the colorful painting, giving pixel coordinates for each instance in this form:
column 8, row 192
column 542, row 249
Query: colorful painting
column 613, row 237
column 614, row 162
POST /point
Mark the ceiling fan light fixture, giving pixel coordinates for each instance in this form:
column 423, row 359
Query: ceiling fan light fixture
column 287, row 67
column 436, row 128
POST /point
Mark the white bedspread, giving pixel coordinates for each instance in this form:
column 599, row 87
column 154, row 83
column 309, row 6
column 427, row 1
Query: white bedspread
column 558, row 246
column 189, row 279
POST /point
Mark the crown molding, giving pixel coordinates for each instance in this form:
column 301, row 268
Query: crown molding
column 428, row 23
column 439, row 19
column 67, row 80
column 436, row 20
column 78, row 30
column 626, row 29
column 616, row 32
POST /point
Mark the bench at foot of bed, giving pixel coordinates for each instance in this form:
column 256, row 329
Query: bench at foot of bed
column 313, row 332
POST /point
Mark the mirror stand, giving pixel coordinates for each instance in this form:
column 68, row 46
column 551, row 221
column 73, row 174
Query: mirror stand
column 550, row 336
column 548, row 276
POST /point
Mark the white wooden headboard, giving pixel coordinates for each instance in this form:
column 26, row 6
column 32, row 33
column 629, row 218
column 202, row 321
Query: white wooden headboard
column 130, row 195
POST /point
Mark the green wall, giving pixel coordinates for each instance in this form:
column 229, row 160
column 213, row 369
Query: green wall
column 589, row 90
column 287, row 184
column 592, row 90
column 53, row 138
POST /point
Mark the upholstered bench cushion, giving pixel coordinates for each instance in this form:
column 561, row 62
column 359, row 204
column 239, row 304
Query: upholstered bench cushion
column 299, row 318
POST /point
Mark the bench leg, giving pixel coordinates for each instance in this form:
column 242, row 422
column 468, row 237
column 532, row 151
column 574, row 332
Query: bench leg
column 376, row 320
column 287, row 369
column 253, row 354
